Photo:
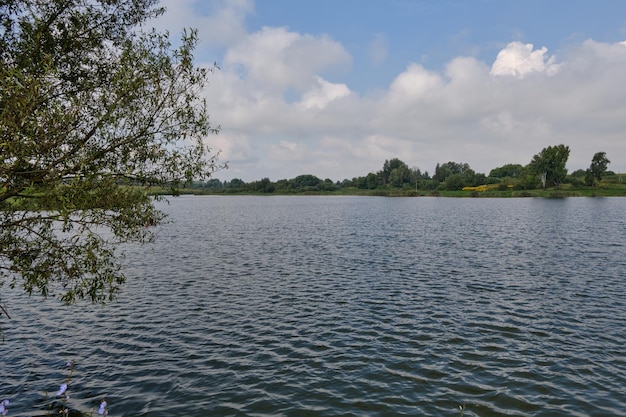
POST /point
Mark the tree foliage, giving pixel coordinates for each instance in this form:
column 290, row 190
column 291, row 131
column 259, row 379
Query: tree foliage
column 597, row 170
column 401, row 170
column 92, row 105
column 397, row 179
column 549, row 165
column 443, row 171
column 508, row 170
column 305, row 180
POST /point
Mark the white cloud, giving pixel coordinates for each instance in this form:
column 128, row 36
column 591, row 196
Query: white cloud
column 277, row 59
column 282, row 116
column 414, row 84
column 288, row 151
column 519, row 60
column 287, row 104
column 506, row 125
column 237, row 146
column 226, row 25
column 219, row 22
column 322, row 94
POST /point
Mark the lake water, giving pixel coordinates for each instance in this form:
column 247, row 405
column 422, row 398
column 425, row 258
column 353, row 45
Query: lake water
column 345, row 306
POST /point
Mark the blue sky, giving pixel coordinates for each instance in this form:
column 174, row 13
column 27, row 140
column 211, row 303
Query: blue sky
column 432, row 32
column 334, row 87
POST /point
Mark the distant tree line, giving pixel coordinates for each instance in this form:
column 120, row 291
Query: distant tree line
column 546, row 169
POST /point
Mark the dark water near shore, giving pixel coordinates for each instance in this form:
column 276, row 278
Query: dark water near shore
column 346, row 306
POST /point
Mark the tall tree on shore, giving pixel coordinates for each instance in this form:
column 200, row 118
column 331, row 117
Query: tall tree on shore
column 549, row 165
column 389, row 166
column 443, row 171
column 597, row 170
column 92, row 104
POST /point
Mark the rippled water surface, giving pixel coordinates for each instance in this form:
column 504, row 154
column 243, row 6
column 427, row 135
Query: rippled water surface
column 345, row 306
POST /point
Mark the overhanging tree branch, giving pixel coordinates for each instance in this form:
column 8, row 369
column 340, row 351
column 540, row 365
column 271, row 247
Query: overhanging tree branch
column 91, row 104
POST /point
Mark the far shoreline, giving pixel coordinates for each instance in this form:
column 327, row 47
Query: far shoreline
column 615, row 190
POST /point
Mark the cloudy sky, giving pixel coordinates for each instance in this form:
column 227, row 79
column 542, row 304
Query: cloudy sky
column 332, row 88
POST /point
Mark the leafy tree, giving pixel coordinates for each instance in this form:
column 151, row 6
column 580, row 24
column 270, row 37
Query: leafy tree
column 549, row 165
column 443, row 171
column 388, row 168
column 306, row 180
column 400, row 176
column 360, row 182
column 417, row 174
column 213, row 183
column 371, row 181
column 417, row 178
column 263, row 186
column 527, row 182
column 508, row 170
column 236, row 183
column 328, row 185
column 454, row 182
column 345, row 183
column 478, row 179
column 598, row 168
column 90, row 104
column 579, row 173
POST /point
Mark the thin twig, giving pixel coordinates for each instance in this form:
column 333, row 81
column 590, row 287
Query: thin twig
column 5, row 312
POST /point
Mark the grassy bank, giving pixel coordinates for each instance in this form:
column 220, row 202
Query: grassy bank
column 566, row 190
